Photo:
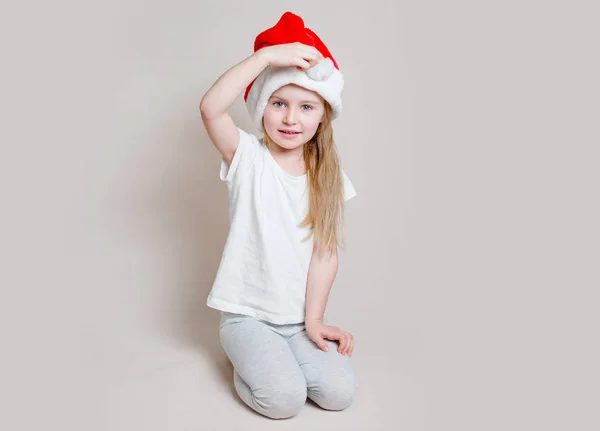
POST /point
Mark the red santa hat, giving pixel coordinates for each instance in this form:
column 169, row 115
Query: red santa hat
column 324, row 78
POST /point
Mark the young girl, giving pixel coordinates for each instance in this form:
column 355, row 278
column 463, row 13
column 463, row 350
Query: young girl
column 286, row 194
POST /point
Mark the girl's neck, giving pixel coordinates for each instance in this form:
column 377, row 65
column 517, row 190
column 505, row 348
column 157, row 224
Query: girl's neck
column 292, row 161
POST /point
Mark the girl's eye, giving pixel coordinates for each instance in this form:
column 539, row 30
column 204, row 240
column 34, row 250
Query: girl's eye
column 279, row 104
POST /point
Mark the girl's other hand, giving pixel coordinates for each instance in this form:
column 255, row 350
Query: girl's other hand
column 291, row 54
column 317, row 331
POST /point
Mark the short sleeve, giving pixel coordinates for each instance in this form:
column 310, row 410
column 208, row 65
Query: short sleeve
column 242, row 159
column 349, row 190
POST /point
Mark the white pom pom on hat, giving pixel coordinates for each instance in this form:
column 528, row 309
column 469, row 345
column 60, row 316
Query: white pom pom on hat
column 321, row 71
column 324, row 78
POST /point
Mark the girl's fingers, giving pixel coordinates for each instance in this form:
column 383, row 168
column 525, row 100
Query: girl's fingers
column 312, row 56
column 321, row 343
column 303, row 64
column 345, row 340
column 348, row 345
column 345, row 344
column 311, row 51
column 315, row 60
column 332, row 336
column 309, row 63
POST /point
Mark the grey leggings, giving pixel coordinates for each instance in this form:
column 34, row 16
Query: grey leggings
column 277, row 366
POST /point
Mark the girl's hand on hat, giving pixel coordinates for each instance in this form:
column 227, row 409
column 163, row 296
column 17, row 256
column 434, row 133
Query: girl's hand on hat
column 291, row 54
column 318, row 332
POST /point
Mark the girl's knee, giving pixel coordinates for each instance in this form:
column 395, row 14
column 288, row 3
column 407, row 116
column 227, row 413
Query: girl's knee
column 336, row 391
column 281, row 401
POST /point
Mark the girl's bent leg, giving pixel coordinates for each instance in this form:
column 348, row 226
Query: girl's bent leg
column 266, row 374
column 330, row 376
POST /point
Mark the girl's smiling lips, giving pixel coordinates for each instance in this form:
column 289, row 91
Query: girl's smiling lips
column 289, row 133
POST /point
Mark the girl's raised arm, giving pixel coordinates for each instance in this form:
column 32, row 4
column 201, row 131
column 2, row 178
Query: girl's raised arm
column 218, row 99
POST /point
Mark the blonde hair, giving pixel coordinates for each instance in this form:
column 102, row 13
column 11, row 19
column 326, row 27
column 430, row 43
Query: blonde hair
column 325, row 216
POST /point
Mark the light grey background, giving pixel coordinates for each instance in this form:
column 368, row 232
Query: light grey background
column 470, row 281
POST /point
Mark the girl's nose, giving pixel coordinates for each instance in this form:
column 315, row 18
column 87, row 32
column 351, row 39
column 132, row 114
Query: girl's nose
column 290, row 117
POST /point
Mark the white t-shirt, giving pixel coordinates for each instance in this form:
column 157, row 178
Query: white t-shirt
column 264, row 266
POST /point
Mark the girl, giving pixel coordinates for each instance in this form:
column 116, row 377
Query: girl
column 286, row 194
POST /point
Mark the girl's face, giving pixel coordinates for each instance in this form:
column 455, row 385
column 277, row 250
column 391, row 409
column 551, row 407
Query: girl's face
column 294, row 110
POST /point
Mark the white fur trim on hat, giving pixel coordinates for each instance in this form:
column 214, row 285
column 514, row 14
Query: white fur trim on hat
column 323, row 79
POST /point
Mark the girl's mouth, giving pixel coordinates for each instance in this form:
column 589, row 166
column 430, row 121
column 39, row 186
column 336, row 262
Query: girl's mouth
column 289, row 134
